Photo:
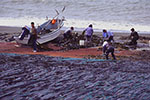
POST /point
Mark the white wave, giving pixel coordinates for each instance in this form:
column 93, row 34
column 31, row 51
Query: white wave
column 106, row 25
column 99, row 25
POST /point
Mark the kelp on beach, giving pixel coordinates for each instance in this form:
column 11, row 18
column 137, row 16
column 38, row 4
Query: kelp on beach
column 121, row 42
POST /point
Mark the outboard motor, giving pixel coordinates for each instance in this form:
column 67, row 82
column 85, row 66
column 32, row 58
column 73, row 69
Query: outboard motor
column 25, row 32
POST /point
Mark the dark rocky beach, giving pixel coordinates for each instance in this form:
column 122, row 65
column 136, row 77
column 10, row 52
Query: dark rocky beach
column 89, row 77
column 37, row 77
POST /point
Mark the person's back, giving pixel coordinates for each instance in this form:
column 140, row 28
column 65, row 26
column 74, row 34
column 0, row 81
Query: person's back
column 104, row 45
column 108, row 48
column 89, row 31
column 110, row 36
column 68, row 33
column 107, row 35
column 110, row 33
column 135, row 35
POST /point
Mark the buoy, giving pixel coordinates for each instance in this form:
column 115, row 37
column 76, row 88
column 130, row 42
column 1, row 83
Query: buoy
column 53, row 21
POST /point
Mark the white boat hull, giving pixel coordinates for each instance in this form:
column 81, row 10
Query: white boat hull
column 49, row 36
column 43, row 38
column 24, row 41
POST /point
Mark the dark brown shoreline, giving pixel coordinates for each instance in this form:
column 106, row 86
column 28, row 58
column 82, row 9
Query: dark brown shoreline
column 11, row 29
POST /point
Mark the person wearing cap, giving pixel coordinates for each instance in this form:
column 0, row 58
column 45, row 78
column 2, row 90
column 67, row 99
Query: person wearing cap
column 68, row 33
column 107, row 49
column 88, row 33
column 134, row 37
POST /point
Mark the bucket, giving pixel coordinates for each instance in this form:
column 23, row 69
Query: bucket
column 81, row 42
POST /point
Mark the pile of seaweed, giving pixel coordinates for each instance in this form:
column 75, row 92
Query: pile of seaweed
column 73, row 43
column 7, row 37
column 96, row 41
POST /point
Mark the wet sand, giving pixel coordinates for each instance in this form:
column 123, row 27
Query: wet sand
column 37, row 77
column 8, row 29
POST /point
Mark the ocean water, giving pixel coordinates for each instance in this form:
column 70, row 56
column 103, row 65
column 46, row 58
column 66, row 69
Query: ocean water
column 109, row 14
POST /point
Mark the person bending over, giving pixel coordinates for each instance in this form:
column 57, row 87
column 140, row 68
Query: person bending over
column 107, row 35
column 68, row 33
column 134, row 37
column 107, row 49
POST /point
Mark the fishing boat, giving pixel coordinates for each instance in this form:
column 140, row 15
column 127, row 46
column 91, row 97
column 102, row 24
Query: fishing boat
column 47, row 31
